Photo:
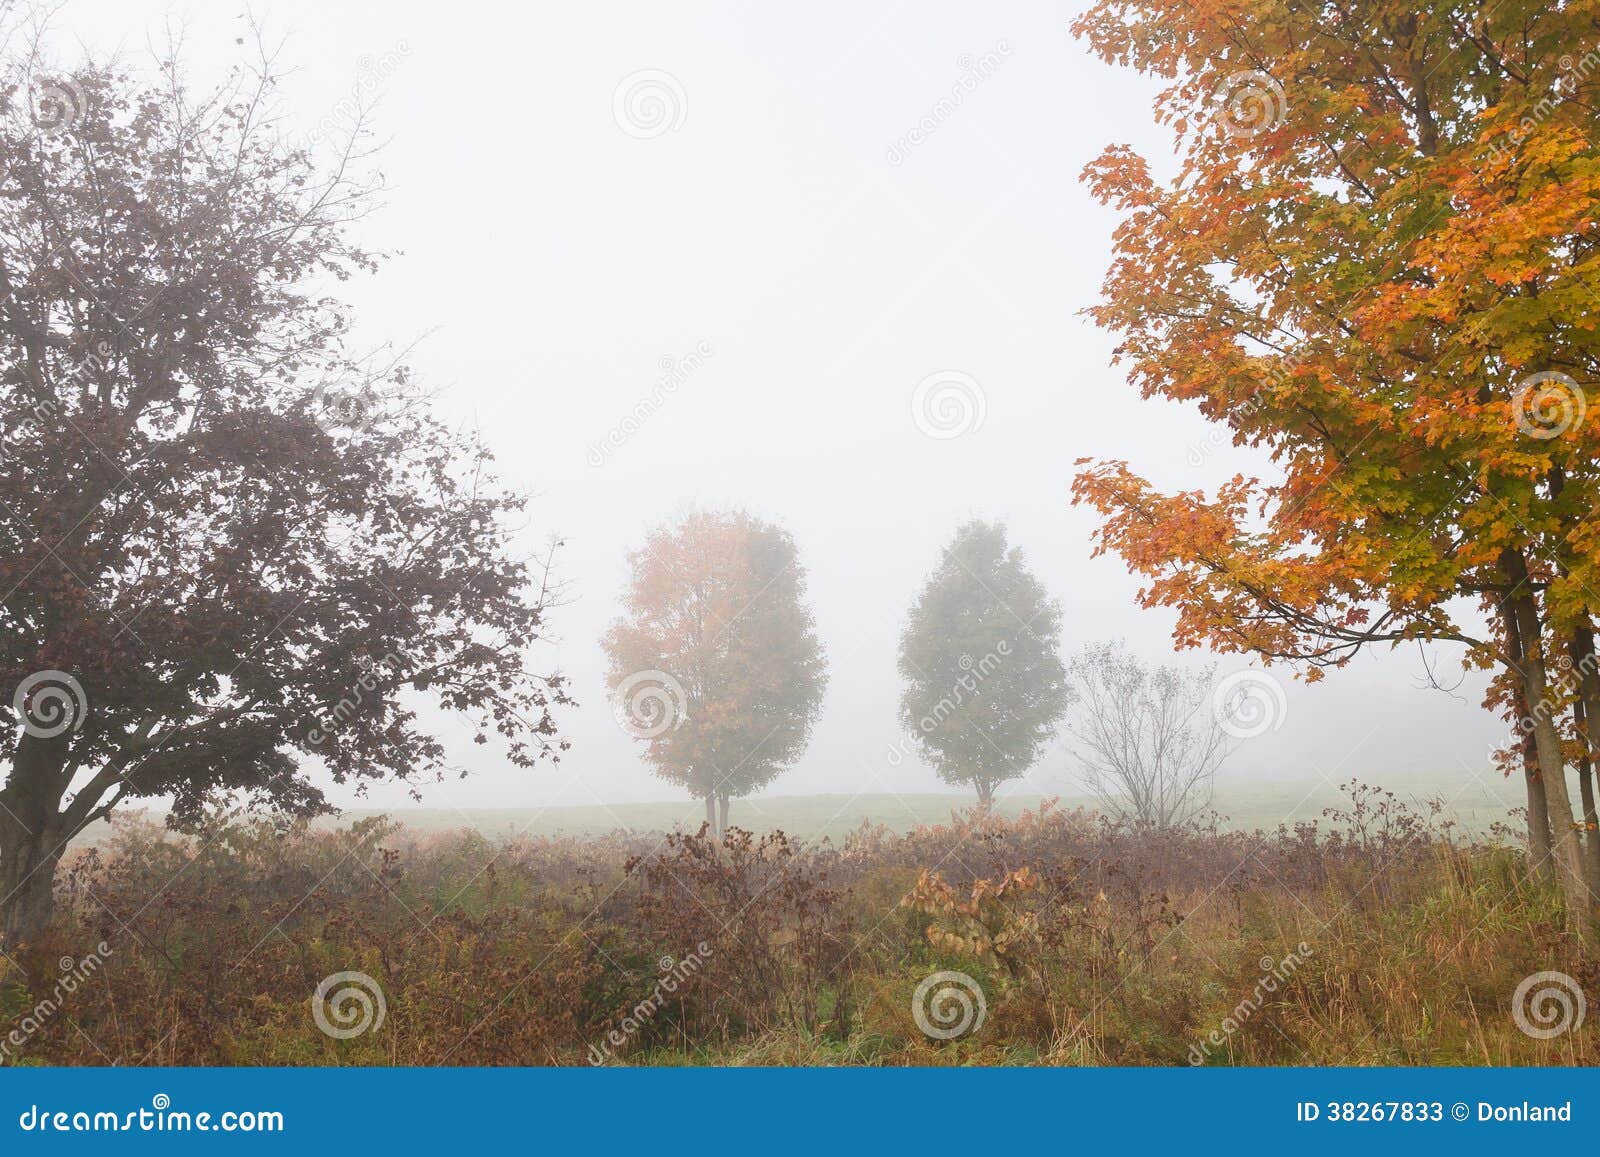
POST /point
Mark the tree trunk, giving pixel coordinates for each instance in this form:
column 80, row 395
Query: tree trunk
column 1547, row 740
column 722, row 816
column 33, row 833
column 27, row 882
column 1585, row 709
column 1540, row 861
column 985, row 793
column 1540, row 855
column 1591, row 845
column 711, row 814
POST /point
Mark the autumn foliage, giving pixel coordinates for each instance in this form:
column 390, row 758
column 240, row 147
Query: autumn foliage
column 238, row 551
column 715, row 663
column 1375, row 263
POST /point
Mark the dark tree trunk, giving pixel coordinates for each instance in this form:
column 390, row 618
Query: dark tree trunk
column 711, row 814
column 1539, row 854
column 1587, row 708
column 1540, row 858
column 1591, row 844
column 27, row 883
column 33, row 834
column 1565, row 840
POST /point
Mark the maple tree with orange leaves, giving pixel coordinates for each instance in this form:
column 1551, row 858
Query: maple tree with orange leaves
column 716, row 664
column 1376, row 262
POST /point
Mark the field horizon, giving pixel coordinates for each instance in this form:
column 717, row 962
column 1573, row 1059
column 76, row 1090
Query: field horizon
column 1473, row 802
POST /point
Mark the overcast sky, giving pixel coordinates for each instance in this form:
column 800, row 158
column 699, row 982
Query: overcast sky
column 583, row 194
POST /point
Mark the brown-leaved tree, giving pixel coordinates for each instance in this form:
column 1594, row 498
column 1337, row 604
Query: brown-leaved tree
column 228, row 547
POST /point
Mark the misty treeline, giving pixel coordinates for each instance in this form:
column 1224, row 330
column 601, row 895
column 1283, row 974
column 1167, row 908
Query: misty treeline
column 716, row 670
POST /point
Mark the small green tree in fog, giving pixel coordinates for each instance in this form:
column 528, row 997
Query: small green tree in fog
column 980, row 656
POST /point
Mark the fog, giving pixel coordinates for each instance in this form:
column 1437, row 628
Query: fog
column 814, row 263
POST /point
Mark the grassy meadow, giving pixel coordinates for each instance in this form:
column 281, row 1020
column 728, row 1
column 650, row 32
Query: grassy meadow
column 1381, row 933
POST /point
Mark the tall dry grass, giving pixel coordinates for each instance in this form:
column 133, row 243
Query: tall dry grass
column 1388, row 939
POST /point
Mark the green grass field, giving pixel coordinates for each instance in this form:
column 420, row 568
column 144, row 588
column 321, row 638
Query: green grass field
column 1475, row 803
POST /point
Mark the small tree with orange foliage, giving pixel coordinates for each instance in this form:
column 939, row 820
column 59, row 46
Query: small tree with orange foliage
column 716, row 666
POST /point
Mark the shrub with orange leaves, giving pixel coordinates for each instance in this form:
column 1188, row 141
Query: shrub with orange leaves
column 989, row 923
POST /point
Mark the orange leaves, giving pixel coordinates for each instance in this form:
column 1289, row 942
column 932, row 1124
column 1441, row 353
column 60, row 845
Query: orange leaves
column 1121, row 177
column 716, row 663
column 989, row 924
column 1362, row 286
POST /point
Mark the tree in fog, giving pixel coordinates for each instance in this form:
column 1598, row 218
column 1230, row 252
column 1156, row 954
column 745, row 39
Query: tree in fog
column 1145, row 736
column 1406, row 331
column 715, row 666
column 229, row 542
column 980, row 658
